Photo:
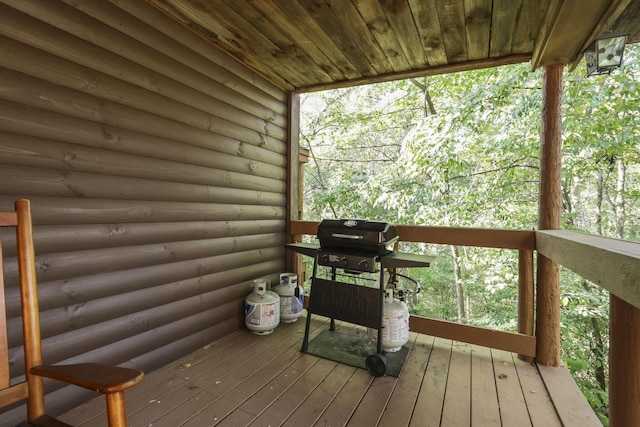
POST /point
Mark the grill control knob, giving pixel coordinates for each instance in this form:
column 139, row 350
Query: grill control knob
column 363, row 265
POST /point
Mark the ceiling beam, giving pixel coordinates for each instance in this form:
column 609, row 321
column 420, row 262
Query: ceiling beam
column 563, row 33
column 423, row 72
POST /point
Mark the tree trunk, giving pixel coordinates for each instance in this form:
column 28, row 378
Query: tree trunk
column 599, row 197
column 619, row 205
column 428, row 106
column 597, row 347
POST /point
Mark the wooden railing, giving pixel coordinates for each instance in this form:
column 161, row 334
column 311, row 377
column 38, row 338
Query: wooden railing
column 615, row 266
column 523, row 342
column 609, row 263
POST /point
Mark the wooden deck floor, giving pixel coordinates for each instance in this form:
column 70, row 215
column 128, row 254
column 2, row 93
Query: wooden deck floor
column 248, row 380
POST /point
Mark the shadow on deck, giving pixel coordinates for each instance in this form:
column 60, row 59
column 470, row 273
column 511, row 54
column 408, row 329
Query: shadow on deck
column 243, row 379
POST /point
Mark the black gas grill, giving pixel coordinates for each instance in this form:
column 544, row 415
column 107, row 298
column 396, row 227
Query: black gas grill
column 354, row 246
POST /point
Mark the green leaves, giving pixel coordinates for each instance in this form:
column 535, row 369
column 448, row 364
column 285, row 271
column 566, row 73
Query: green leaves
column 462, row 150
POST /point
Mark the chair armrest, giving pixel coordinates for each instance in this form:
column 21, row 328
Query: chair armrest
column 93, row 376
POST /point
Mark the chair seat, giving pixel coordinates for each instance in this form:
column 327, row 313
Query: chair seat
column 93, row 376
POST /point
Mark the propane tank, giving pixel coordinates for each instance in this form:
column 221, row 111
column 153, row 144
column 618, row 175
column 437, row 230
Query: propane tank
column 262, row 309
column 291, row 297
column 395, row 324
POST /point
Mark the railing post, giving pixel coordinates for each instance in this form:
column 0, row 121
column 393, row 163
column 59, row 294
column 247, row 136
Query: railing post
column 526, row 293
column 549, row 215
column 624, row 364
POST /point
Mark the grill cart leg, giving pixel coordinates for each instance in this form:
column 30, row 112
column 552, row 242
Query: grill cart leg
column 305, row 340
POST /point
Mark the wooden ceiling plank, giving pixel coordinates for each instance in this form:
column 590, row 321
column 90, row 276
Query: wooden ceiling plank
column 309, row 43
column 425, row 14
column 528, row 25
column 377, row 23
column 326, row 19
column 210, row 28
column 256, row 43
column 287, row 50
column 479, row 19
column 355, row 25
column 207, row 26
column 505, row 17
column 294, row 32
column 401, row 20
column 297, row 14
column 451, row 16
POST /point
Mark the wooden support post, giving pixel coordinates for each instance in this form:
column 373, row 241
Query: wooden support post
column 301, row 265
column 549, row 215
column 624, row 364
column 293, row 168
column 526, row 292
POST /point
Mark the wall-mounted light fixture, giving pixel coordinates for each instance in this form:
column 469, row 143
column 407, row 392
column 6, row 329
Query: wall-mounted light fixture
column 604, row 55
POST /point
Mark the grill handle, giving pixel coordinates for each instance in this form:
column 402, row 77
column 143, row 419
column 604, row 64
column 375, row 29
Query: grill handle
column 347, row 236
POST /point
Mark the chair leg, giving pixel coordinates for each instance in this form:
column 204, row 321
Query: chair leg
column 116, row 409
column 35, row 401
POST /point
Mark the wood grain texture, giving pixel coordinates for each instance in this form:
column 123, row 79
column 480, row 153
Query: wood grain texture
column 624, row 365
column 549, row 218
column 243, row 379
column 303, row 44
column 610, row 263
column 156, row 168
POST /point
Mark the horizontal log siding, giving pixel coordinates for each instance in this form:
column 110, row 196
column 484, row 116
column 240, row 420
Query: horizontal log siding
column 156, row 167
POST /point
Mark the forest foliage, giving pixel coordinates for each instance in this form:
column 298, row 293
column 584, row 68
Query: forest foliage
column 462, row 150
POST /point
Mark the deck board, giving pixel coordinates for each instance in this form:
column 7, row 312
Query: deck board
column 247, row 380
column 400, row 406
column 541, row 408
column 513, row 408
column 428, row 408
column 485, row 410
column 457, row 399
column 342, row 407
column 309, row 411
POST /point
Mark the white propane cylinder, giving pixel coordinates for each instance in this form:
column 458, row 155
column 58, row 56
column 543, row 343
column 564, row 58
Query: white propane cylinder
column 291, row 297
column 261, row 309
column 395, row 324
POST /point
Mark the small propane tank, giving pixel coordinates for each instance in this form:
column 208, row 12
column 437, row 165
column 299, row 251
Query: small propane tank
column 262, row 309
column 291, row 297
column 395, row 324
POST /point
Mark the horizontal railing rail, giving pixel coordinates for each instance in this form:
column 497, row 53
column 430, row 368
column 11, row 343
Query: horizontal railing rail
column 612, row 264
column 523, row 342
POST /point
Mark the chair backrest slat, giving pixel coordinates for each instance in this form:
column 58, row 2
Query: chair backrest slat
column 20, row 221
column 4, row 346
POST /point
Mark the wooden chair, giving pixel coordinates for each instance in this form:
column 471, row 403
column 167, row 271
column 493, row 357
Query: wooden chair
column 109, row 380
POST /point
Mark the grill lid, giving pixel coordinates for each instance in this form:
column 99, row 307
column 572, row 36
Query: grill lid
column 357, row 235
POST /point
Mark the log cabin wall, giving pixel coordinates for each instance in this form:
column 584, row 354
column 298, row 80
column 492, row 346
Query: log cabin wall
column 156, row 167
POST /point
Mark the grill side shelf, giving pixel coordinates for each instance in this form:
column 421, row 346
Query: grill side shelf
column 392, row 260
column 405, row 260
column 309, row 249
